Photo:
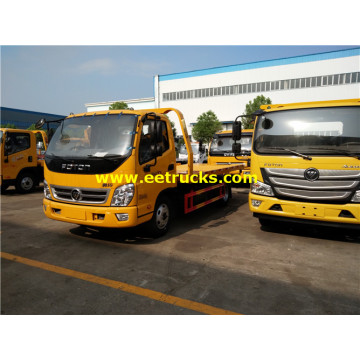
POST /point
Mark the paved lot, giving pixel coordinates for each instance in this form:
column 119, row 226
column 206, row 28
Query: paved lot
column 217, row 257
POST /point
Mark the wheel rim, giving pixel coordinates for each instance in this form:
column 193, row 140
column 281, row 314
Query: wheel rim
column 162, row 216
column 27, row 183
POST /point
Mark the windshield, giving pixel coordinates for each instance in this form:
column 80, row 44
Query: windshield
column 195, row 149
column 325, row 131
column 1, row 136
column 223, row 144
column 98, row 136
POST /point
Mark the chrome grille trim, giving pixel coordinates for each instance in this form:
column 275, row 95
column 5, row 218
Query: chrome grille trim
column 332, row 185
column 314, row 185
column 324, row 174
column 314, row 195
column 89, row 195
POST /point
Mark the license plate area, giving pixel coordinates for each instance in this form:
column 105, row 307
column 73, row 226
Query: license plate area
column 74, row 214
column 306, row 210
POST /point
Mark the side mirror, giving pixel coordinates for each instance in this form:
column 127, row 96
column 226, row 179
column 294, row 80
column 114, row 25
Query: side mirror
column 236, row 149
column 236, row 130
column 267, row 124
column 40, row 123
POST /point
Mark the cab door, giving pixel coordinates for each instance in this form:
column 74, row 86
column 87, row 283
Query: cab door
column 17, row 153
column 154, row 135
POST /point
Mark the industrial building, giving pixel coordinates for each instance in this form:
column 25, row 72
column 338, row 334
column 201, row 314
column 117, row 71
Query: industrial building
column 227, row 89
column 23, row 119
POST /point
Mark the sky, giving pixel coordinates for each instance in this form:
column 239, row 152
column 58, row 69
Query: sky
column 61, row 79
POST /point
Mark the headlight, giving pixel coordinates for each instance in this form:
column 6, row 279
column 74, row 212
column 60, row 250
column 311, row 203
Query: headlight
column 261, row 189
column 123, row 195
column 47, row 193
column 356, row 197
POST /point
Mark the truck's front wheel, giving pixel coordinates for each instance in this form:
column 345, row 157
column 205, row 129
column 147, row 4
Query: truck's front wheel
column 25, row 182
column 159, row 223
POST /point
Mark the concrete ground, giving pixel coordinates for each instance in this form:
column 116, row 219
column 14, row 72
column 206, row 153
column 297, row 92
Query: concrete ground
column 217, row 257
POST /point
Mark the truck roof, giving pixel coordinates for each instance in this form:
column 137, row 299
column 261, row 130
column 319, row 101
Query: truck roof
column 314, row 104
column 17, row 130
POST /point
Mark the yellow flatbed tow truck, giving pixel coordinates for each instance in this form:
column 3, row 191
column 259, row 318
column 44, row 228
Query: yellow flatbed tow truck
column 111, row 169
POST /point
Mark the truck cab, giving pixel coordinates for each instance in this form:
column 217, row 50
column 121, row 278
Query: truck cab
column 221, row 149
column 22, row 158
column 307, row 160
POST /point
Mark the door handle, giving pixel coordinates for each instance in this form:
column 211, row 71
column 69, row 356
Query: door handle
column 30, row 158
column 171, row 167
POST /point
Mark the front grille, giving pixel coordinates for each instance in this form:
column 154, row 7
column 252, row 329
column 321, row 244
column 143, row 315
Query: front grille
column 331, row 186
column 87, row 195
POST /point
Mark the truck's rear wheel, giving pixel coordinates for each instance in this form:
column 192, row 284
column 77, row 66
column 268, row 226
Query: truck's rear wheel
column 25, row 182
column 159, row 223
column 227, row 195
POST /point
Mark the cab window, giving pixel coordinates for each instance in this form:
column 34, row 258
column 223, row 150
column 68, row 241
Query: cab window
column 16, row 142
column 147, row 141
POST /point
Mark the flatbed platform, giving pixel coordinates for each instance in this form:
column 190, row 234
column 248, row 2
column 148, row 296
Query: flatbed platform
column 209, row 169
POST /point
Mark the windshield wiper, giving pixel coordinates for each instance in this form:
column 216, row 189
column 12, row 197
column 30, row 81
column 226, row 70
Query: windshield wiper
column 338, row 151
column 306, row 157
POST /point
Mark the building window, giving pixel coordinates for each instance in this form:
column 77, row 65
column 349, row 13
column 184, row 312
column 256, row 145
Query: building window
column 353, row 77
column 326, row 80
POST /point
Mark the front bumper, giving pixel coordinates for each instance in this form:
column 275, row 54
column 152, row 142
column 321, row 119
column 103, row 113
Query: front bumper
column 93, row 215
column 297, row 210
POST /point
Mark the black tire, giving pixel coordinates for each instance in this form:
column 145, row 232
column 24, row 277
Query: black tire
column 160, row 221
column 25, row 182
column 224, row 201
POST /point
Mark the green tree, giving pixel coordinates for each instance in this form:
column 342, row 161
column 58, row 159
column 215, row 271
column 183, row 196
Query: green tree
column 8, row 126
column 206, row 126
column 251, row 107
column 31, row 127
column 119, row 105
